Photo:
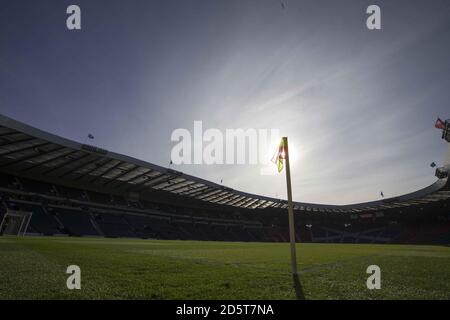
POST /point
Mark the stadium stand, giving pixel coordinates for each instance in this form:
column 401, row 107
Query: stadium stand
column 80, row 190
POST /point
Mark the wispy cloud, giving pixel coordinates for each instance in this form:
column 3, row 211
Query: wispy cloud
column 357, row 105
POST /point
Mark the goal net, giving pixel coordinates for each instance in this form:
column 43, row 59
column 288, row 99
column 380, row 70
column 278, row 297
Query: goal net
column 15, row 222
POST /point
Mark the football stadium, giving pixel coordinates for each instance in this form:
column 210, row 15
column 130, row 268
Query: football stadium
column 136, row 140
column 138, row 230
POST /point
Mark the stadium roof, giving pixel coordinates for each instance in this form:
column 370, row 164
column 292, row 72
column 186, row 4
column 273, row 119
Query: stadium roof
column 33, row 153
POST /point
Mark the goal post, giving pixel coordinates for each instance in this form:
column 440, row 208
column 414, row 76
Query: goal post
column 15, row 222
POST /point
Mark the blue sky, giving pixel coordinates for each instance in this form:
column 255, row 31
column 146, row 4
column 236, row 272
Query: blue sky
column 357, row 105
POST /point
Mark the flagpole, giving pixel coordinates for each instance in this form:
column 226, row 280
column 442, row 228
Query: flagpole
column 290, row 211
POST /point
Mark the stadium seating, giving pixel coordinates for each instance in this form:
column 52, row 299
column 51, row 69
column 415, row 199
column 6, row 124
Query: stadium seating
column 76, row 222
column 62, row 210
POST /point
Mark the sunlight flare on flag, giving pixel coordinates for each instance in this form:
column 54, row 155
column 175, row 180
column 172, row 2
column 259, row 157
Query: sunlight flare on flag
column 280, row 155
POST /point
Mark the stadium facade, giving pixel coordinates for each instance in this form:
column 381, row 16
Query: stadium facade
column 53, row 186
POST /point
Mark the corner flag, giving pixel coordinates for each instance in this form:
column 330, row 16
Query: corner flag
column 280, row 155
column 439, row 124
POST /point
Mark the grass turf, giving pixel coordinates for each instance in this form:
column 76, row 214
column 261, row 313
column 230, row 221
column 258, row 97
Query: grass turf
column 34, row 268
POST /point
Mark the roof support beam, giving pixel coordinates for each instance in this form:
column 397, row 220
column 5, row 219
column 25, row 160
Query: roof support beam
column 96, row 167
column 169, row 183
column 236, row 200
column 218, row 195
column 27, row 139
column 222, row 197
column 29, row 157
column 106, row 172
column 250, row 203
column 26, row 148
column 200, row 191
column 121, row 175
column 10, row 133
column 192, row 189
column 260, row 204
column 93, row 169
column 244, row 201
column 228, row 199
column 81, row 166
column 139, row 176
column 207, row 194
column 139, row 184
column 152, row 182
column 51, row 159
column 268, row 204
column 184, row 184
column 177, row 185
column 65, row 163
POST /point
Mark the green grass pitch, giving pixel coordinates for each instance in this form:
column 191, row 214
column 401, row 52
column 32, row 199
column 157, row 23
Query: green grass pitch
column 35, row 268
